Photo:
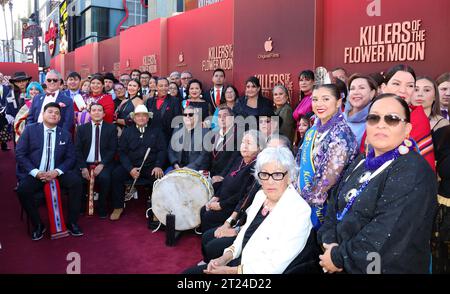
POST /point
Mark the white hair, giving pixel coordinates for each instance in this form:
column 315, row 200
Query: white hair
column 258, row 137
column 280, row 155
column 175, row 73
column 55, row 72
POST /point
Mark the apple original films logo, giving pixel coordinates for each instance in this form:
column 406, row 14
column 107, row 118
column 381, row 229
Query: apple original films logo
column 50, row 37
column 181, row 62
column 268, row 47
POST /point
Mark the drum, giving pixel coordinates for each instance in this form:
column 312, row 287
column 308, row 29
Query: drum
column 182, row 192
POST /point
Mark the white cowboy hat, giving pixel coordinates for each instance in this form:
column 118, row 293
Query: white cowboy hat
column 141, row 109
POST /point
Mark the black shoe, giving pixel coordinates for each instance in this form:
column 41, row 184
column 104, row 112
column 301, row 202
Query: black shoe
column 75, row 230
column 38, row 232
column 5, row 147
column 154, row 225
column 102, row 214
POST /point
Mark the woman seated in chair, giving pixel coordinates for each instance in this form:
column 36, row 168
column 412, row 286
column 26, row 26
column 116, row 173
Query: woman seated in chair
column 278, row 222
column 234, row 185
column 383, row 209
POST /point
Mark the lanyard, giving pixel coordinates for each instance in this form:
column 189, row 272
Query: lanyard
column 354, row 193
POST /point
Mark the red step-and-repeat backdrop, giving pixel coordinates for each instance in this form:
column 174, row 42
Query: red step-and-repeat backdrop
column 275, row 40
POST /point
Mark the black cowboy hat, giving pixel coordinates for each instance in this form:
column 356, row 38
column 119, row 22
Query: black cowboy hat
column 19, row 76
column 110, row 76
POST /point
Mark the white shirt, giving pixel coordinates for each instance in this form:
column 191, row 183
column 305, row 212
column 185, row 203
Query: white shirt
column 91, row 155
column 221, row 137
column 47, row 100
column 145, row 91
column 34, row 172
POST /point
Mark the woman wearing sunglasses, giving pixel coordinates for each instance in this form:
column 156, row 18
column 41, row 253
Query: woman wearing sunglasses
column 380, row 215
column 401, row 81
column 328, row 147
column 278, row 222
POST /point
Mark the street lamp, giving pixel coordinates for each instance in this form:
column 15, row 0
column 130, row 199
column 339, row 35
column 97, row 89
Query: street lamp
column 3, row 3
column 12, row 31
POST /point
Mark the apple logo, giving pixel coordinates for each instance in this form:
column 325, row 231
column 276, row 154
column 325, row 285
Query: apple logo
column 268, row 45
column 181, row 57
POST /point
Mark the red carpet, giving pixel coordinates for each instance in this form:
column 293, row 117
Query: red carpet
column 123, row 247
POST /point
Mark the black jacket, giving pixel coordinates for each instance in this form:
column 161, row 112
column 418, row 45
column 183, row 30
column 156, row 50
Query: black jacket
column 223, row 155
column 188, row 148
column 392, row 218
column 108, row 143
column 264, row 106
column 132, row 147
column 163, row 117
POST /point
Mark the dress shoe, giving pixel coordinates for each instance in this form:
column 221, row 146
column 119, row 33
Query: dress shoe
column 5, row 147
column 75, row 230
column 38, row 232
column 102, row 214
column 115, row 215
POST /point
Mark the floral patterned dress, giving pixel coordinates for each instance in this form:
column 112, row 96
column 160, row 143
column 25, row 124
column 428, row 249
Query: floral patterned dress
column 335, row 147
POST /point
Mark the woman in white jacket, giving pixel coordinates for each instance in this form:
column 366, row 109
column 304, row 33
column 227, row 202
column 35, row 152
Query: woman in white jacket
column 278, row 221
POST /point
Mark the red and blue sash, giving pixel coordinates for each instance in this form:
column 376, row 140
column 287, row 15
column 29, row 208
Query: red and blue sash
column 55, row 212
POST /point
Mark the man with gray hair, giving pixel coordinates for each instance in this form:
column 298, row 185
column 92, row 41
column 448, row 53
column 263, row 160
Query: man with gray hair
column 53, row 94
column 186, row 77
column 176, row 78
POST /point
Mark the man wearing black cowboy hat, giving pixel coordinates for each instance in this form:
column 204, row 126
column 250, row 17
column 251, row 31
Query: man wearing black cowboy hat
column 13, row 99
column 110, row 80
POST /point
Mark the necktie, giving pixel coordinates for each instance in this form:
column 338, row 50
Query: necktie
column 144, row 92
column 217, row 97
column 97, row 141
column 444, row 113
column 50, row 94
column 49, row 150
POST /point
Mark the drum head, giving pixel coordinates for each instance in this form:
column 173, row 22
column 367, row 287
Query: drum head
column 182, row 193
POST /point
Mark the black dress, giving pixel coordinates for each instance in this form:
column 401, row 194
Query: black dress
column 392, row 217
column 233, row 188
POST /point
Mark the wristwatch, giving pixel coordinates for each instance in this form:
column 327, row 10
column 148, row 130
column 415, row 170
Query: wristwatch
column 229, row 220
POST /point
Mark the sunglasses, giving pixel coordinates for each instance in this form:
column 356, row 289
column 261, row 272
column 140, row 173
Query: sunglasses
column 277, row 176
column 390, row 119
column 52, row 80
column 188, row 114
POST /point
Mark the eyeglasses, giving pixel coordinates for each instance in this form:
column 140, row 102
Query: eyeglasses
column 277, row 176
column 119, row 89
column 188, row 114
column 186, row 78
column 52, row 80
column 390, row 119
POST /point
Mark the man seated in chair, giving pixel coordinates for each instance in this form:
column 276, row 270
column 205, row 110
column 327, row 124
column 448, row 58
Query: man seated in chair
column 96, row 145
column 133, row 145
column 45, row 152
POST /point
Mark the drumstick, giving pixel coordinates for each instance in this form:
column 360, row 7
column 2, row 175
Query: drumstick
column 145, row 158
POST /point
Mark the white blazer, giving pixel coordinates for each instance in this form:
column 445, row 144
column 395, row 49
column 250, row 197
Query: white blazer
column 279, row 239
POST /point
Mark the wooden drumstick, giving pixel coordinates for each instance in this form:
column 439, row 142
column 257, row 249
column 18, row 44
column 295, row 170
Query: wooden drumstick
column 145, row 158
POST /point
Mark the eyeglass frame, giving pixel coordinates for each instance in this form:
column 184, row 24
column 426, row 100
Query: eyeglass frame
column 271, row 175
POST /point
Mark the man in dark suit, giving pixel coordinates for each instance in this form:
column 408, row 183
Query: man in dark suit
column 53, row 94
column 217, row 92
column 96, row 145
column 133, row 145
column 164, row 108
column 224, row 146
column 45, row 152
